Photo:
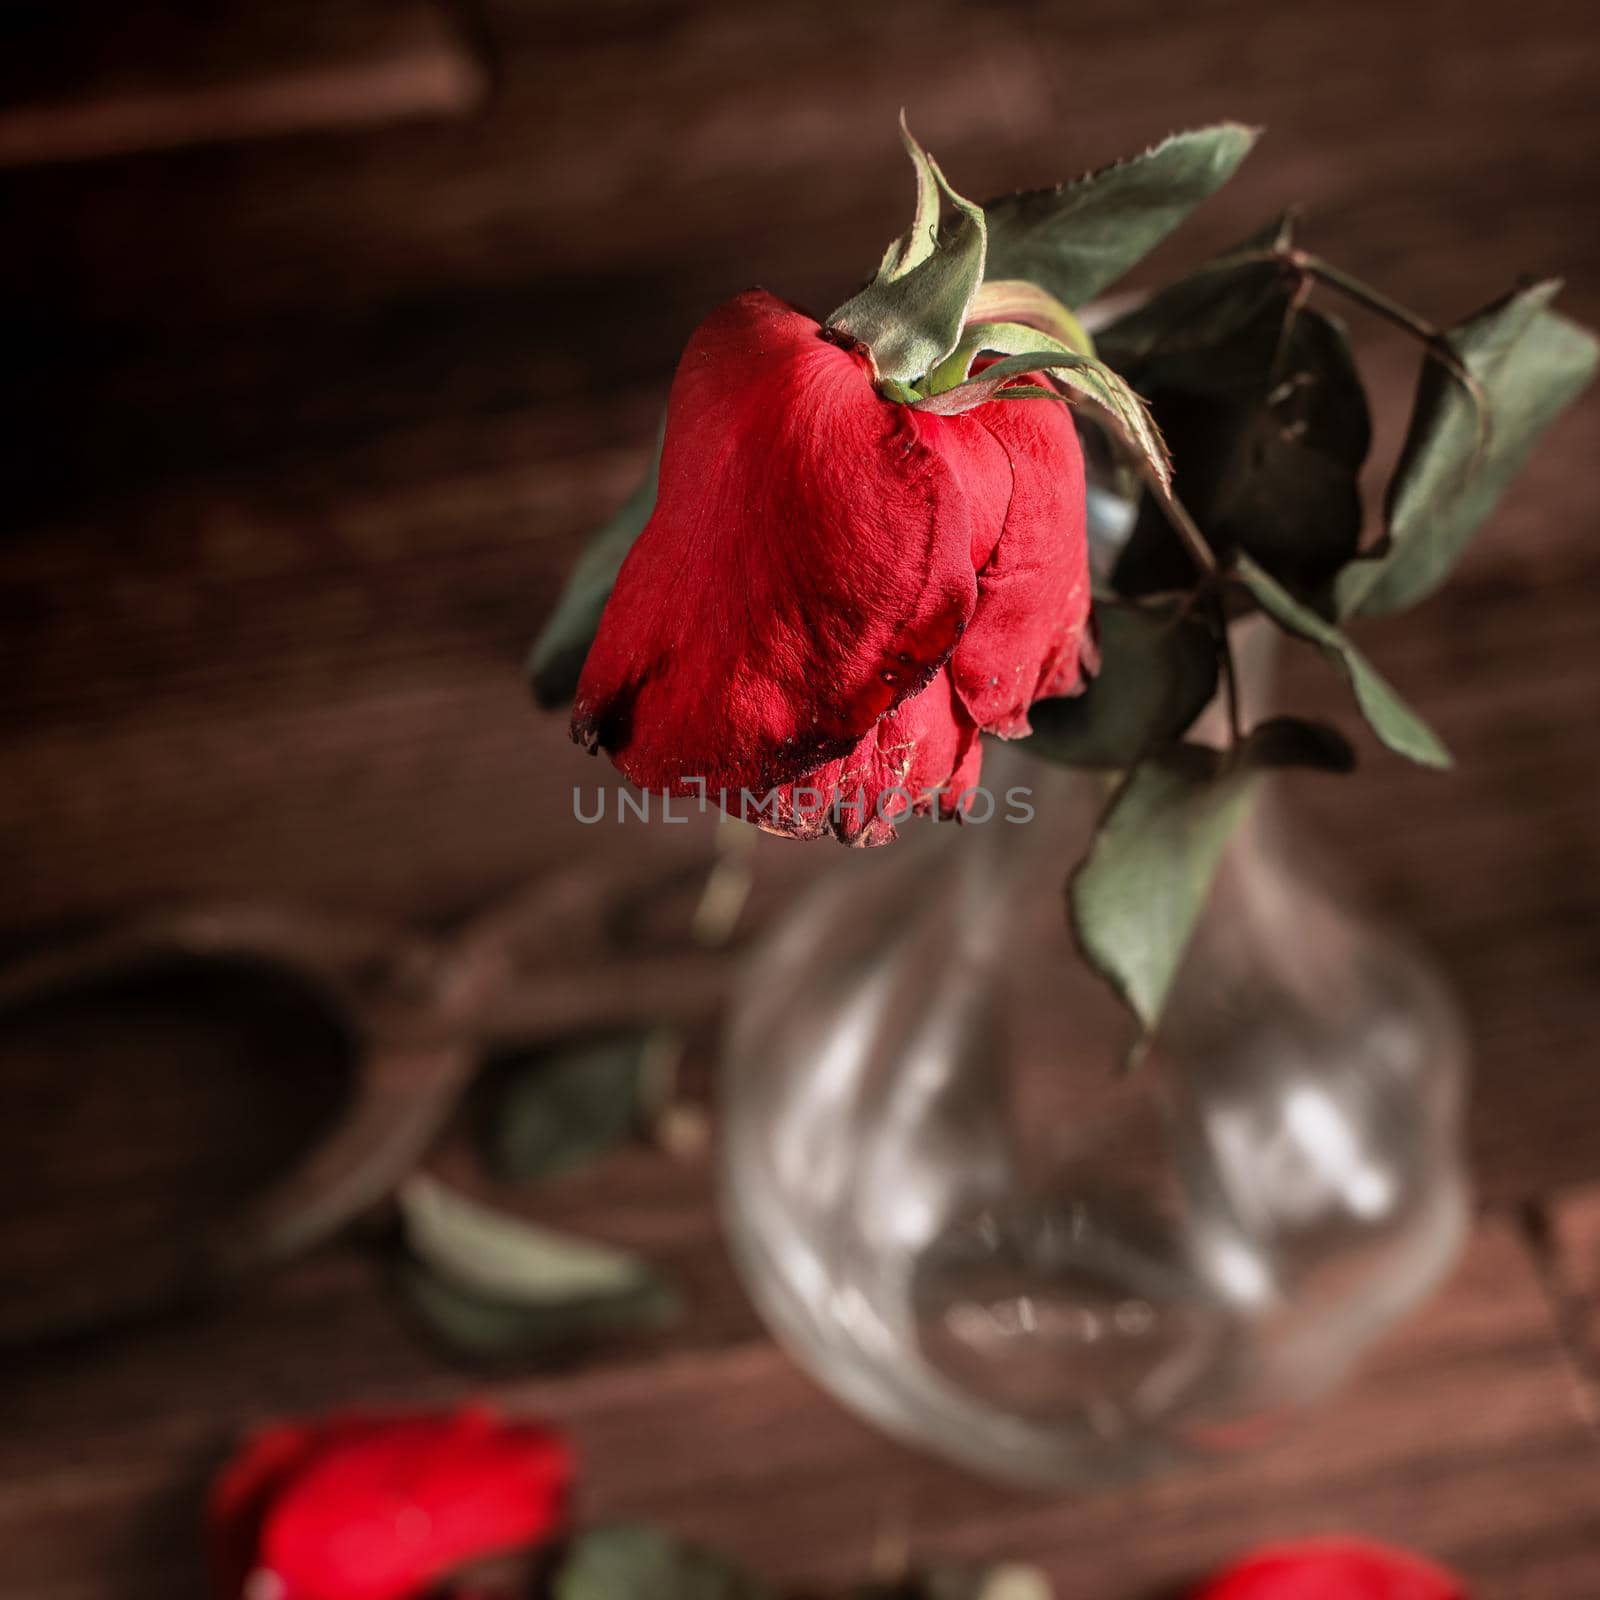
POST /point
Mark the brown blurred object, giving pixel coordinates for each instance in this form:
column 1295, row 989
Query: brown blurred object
column 408, row 1020
column 304, row 430
column 154, row 77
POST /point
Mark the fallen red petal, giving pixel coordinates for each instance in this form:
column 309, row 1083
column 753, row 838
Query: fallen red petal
column 381, row 1509
column 1332, row 1569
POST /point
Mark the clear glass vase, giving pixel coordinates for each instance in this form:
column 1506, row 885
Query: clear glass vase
column 959, row 1212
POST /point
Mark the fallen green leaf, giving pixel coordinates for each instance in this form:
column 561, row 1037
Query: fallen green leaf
column 631, row 1562
column 503, row 1257
column 480, row 1328
column 551, row 1111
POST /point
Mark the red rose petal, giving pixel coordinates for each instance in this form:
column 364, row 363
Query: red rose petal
column 370, row 1509
column 1026, row 638
column 808, row 565
column 1332, row 1569
column 923, row 754
column 244, row 1491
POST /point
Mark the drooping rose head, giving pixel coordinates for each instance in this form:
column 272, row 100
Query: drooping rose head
column 836, row 593
column 1332, row 1569
column 370, row 1508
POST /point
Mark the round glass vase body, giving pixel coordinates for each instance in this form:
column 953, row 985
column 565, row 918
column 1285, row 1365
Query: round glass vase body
column 954, row 1206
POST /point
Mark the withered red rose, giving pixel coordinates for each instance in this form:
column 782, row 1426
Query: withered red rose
column 1332, row 1569
column 836, row 593
column 371, row 1508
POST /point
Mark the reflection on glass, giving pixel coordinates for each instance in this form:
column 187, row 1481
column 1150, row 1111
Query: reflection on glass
column 954, row 1208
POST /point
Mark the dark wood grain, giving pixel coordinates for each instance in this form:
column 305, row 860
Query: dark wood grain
column 1459, row 1438
column 1565, row 1234
column 77, row 82
column 304, row 430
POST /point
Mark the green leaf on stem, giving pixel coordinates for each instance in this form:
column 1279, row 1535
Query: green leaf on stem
column 1299, row 742
column 911, row 315
column 1135, row 898
column 1211, row 317
column 1080, row 237
column 625, row 1561
column 1275, row 471
column 553, row 1110
column 563, row 643
column 1158, row 671
column 1394, row 722
column 1264, row 411
column 1529, row 363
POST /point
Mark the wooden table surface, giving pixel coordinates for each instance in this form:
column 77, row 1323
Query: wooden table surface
column 327, row 342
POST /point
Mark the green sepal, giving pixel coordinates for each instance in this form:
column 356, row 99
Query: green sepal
column 910, row 317
column 1017, row 300
column 1529, row 364
column 919, row 241
column 1026, row 350
column 1394, row 722
column 904, row 394
column 1080, row 237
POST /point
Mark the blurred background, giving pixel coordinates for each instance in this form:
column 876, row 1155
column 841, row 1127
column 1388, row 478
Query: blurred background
column 332, row 328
